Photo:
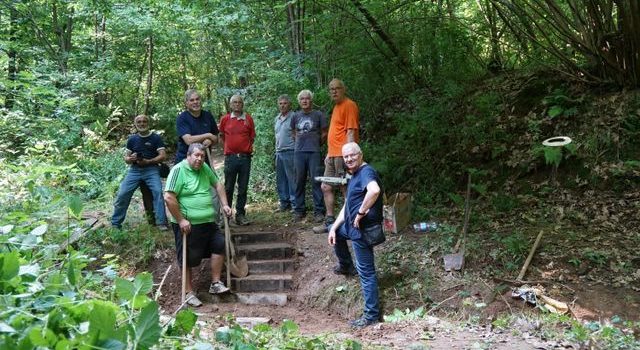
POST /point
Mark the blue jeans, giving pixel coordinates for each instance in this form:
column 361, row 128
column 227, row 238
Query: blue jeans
column 285, row 179
column 308, row 164
column 149, row 175
column 365, row 265
column 237, row 169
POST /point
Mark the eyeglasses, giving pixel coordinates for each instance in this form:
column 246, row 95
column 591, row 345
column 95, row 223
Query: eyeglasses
column 352, row 155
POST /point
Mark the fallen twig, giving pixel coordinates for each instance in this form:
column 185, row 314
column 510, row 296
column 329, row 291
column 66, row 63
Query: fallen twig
column 162, row 283
column 440, row 303
column 500, row 294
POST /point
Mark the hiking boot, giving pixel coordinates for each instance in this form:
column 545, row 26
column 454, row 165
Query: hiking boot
column 218, row 288
column 163, row 227
column 192, row 299
column 283, row 209
column 298, row 217
column 318, row 217
column 241, row 220
column 324, row 228
column 361, row 323
column 341, row 270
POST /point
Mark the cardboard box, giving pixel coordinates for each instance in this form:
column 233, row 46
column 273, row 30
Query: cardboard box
column 397, row 212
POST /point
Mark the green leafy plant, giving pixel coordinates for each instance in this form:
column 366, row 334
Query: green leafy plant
column 597, row 257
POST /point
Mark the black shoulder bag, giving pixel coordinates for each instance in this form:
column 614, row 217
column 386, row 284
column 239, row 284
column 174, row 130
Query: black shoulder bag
column 373, row 235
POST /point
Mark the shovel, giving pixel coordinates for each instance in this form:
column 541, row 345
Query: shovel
column 235, row 266
column 455, row 260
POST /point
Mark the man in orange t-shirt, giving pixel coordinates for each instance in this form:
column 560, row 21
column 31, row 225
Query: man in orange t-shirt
column 343, row 128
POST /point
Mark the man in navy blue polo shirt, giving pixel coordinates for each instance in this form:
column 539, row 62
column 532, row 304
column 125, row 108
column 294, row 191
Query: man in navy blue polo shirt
column 145, row 150
column 362, row 209
column 194, row 125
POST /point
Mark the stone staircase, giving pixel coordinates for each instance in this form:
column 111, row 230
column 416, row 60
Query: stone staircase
column 272, row 261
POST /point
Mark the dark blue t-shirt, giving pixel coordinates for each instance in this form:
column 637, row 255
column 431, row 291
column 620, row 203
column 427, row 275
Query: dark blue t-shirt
column 147, row 146
column 356, row 190
column 308, row 128
column 188, row 124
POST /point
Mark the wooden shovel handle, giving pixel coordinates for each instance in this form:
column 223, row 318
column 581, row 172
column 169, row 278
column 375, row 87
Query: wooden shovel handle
column 227, row 248
column 184, row 267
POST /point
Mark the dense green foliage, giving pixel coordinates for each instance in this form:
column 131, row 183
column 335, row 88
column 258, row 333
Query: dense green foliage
column 433, row 80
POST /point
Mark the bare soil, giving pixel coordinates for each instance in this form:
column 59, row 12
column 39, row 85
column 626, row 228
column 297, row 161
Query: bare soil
column 461, row 305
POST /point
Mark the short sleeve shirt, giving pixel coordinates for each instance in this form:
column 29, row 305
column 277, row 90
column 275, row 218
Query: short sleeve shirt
column 239, row 133
column 345, row 116
column 187, row 124
column 356, row 190
column 308, row 128
column 282, row 129
column 193, row 190
column 148, row 146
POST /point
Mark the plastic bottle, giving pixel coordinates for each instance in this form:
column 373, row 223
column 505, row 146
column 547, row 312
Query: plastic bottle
column 425, row 226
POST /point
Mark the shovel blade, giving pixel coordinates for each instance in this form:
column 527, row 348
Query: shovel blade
column 453, row 261
column 239, row 266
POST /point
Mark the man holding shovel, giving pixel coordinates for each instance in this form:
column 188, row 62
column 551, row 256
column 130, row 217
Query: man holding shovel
column 188, row 197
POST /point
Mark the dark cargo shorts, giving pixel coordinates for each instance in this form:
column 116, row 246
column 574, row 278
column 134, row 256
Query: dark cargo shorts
column 204, row 240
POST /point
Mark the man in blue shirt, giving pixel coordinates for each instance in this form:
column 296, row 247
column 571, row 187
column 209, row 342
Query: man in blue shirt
column 362, row 209
column 194, row 125
column 285, row 171
column 145, row 150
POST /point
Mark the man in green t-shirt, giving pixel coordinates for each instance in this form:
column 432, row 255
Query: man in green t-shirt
column 188, row 197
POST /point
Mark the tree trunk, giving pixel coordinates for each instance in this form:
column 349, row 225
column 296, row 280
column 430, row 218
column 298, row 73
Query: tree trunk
column 63, row 29
column 295, row 30
column 147, row 95
column 12, row 65
column 139, row 83
column 403, row 63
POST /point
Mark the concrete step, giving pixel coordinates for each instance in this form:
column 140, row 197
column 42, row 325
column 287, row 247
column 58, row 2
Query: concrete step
column 275, row 266
column 262, row 283
column 255, row 298
column 267, row 251
column 255, row 237
column 263, row 298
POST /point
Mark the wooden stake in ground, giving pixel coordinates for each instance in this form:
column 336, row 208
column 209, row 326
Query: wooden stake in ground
column 528, row 261
column 184, row 267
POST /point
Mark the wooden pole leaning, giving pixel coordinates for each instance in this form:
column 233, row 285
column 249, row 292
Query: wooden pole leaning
column 184, row 267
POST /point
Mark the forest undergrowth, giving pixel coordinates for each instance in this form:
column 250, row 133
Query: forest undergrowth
column 583, row 197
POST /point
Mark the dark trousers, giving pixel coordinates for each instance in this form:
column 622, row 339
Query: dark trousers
column 308, row 164
column 236, row 170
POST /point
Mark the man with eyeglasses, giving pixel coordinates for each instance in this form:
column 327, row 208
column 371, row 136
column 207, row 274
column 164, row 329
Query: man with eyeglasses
column 343, row 128
column 362, row 209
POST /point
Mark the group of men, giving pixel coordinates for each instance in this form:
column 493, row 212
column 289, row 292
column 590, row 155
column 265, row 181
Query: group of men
column 299, row 138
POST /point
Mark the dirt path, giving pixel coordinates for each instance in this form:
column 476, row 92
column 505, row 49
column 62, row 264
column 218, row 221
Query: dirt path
column 315, row 309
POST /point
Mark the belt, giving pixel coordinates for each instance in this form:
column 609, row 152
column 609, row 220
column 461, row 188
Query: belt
column 239, row 155
column 285, row 150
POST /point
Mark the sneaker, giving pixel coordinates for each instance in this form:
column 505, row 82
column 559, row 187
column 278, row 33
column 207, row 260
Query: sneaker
column 341, row 270
column 361, row 323
column 241, row 220
column 218, row 288
column 318, row 217
column 192, row 299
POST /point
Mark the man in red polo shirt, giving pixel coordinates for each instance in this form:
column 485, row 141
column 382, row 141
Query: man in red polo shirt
column 237, row 132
